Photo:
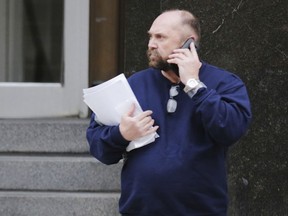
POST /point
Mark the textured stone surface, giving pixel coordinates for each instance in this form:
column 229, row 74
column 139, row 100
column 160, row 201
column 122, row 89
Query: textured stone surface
column 45, row 169
column 248, row 38
column 61, row 173
column 44, row 135
column 137, row 19
column 60, row 204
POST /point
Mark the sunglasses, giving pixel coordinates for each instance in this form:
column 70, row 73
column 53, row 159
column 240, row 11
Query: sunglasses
column 172, row 103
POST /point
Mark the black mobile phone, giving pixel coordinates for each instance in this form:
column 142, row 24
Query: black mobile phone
column 174, row 67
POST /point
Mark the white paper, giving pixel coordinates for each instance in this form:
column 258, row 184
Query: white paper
column 110, row 100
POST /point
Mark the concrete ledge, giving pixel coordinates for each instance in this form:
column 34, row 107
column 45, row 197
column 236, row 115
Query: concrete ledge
column 44, row 135
column 65, row 173
column 60, row 204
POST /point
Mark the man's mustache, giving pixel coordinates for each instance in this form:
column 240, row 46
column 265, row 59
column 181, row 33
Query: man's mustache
column 152, row 52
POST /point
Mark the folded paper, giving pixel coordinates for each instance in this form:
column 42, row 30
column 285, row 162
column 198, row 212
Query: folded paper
column 110, row 100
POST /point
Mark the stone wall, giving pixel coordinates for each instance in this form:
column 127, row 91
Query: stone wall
column 249, row 38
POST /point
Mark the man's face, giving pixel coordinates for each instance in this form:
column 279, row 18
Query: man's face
column 155, row 60
column 163, row 39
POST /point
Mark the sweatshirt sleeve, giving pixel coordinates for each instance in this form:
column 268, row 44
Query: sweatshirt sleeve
column 225, row 110
column 106, row 142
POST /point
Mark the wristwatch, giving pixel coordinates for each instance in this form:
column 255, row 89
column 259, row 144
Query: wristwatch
column 192, row 86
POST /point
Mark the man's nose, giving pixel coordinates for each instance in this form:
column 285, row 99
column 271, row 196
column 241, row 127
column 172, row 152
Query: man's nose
column 152, row 44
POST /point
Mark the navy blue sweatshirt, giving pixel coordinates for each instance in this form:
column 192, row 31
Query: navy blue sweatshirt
column 182, row 173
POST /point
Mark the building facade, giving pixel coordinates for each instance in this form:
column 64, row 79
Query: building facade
column 51, row 49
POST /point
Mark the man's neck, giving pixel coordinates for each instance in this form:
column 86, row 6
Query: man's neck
column 170, row 75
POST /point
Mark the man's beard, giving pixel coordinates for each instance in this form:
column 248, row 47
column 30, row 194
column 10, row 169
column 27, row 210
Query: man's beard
column 156, row 61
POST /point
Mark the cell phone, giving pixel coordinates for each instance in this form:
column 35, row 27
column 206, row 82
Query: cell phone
column 174, row 67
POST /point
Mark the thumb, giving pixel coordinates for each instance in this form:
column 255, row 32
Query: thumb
column 131, row 110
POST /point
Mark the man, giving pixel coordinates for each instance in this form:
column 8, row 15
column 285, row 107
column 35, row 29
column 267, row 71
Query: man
column 198, row 115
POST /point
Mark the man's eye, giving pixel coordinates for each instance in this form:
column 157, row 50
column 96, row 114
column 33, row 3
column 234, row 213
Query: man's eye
column 160, row 37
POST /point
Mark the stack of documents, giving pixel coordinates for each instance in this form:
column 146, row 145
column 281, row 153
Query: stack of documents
column 110, row 100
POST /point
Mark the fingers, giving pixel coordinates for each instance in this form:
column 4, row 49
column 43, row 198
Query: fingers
column 148, row 127
column 181, row 53
column 150, row 130
column 133, row 127
column 132, row 109
column 188, row 62
column 146, row 123
column 193, row 49
column 143, row 115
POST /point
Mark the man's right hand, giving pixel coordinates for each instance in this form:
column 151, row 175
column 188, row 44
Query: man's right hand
column 134, row 127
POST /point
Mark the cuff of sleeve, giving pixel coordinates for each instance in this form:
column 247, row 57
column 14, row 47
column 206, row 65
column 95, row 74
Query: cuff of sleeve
column 193, row 93
column 117, row 137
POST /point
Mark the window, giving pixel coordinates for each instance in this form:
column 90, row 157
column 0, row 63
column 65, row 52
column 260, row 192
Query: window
column 34, row 38
column 43, row 57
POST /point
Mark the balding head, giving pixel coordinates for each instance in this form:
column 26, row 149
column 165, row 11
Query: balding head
column 168, row 32
column 183, row 21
